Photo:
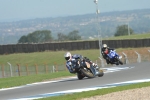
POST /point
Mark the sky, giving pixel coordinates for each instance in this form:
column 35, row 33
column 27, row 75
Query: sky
column 14, row 10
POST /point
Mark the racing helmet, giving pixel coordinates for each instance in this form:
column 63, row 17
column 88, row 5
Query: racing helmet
column 104, row 45
column 67, row 55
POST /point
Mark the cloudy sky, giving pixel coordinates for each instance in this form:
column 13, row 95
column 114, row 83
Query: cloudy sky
column 12, row 10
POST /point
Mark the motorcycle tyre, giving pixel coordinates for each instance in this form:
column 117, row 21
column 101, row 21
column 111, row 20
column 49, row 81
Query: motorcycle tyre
column 101, row 73
column 87, row 73
column 80, row 76
column 117, row 63
column 120, row 62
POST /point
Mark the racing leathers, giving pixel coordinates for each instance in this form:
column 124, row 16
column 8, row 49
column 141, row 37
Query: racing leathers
column 75, row 58
column 69, row 64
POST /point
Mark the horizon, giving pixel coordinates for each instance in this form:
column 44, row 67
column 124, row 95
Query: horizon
column 16, row 19
column 26, row 9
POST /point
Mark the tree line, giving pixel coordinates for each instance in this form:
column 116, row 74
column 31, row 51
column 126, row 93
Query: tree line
column 41, row 36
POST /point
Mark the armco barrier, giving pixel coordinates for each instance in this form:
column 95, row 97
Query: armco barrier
column 81, row 45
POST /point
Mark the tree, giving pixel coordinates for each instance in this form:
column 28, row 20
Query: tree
column 23, row 39
column 37, row 37
column 61, row 37
column 71, row 36
column 123, row 30
column 74, row 35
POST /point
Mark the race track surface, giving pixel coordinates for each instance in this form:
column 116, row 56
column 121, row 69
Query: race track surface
column 114, row 74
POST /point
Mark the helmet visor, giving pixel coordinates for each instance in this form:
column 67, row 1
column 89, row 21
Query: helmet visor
column 67, row 58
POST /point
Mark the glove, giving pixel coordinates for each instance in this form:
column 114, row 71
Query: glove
column 94, row 64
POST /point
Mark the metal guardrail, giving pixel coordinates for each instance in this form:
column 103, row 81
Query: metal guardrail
column 126, row 58
column 102, row 62
column 10, row 68
column 139, row 57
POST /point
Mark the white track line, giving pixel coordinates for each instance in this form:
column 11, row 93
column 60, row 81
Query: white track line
column 81, row 90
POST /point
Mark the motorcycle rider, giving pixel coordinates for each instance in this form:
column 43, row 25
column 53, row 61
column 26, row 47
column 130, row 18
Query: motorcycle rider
column 104, row 51
column 69, row 58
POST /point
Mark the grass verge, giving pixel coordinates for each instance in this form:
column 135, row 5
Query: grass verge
column 23, row 80
column 87, row 94
column 132, row 36
column 50, row 58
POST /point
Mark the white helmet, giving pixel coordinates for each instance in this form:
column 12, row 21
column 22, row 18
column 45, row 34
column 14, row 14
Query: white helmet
column 104, row 45
column 67, row 55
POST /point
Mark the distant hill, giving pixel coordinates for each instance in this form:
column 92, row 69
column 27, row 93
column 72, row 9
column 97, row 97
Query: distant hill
column 139, row 21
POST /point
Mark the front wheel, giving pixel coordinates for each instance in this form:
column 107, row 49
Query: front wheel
column 120, row 62
column 101, row 73
column 80, row 76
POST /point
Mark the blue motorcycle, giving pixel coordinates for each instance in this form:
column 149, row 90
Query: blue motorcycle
column 114, row 58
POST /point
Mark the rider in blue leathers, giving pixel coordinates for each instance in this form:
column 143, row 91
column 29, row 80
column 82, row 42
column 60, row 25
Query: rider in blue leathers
column 69, row 58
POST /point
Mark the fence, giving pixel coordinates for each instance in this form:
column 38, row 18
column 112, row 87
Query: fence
column 82, row 45
column 25, row 70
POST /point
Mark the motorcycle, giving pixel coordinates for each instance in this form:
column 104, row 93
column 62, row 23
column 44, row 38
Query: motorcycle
column 85, row 69
column 114, row 58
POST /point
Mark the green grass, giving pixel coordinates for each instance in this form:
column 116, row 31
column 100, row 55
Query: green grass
column 133, row 36
column 23, row 80
column 48, row 57
column 87, row 94
column 41, row 58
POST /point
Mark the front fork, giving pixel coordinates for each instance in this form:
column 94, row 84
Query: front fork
column 94, row 70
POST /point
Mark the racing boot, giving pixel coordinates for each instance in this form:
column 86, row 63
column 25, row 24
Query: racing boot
column 107, row 61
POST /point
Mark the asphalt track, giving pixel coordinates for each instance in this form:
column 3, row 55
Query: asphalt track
column 114, row 74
